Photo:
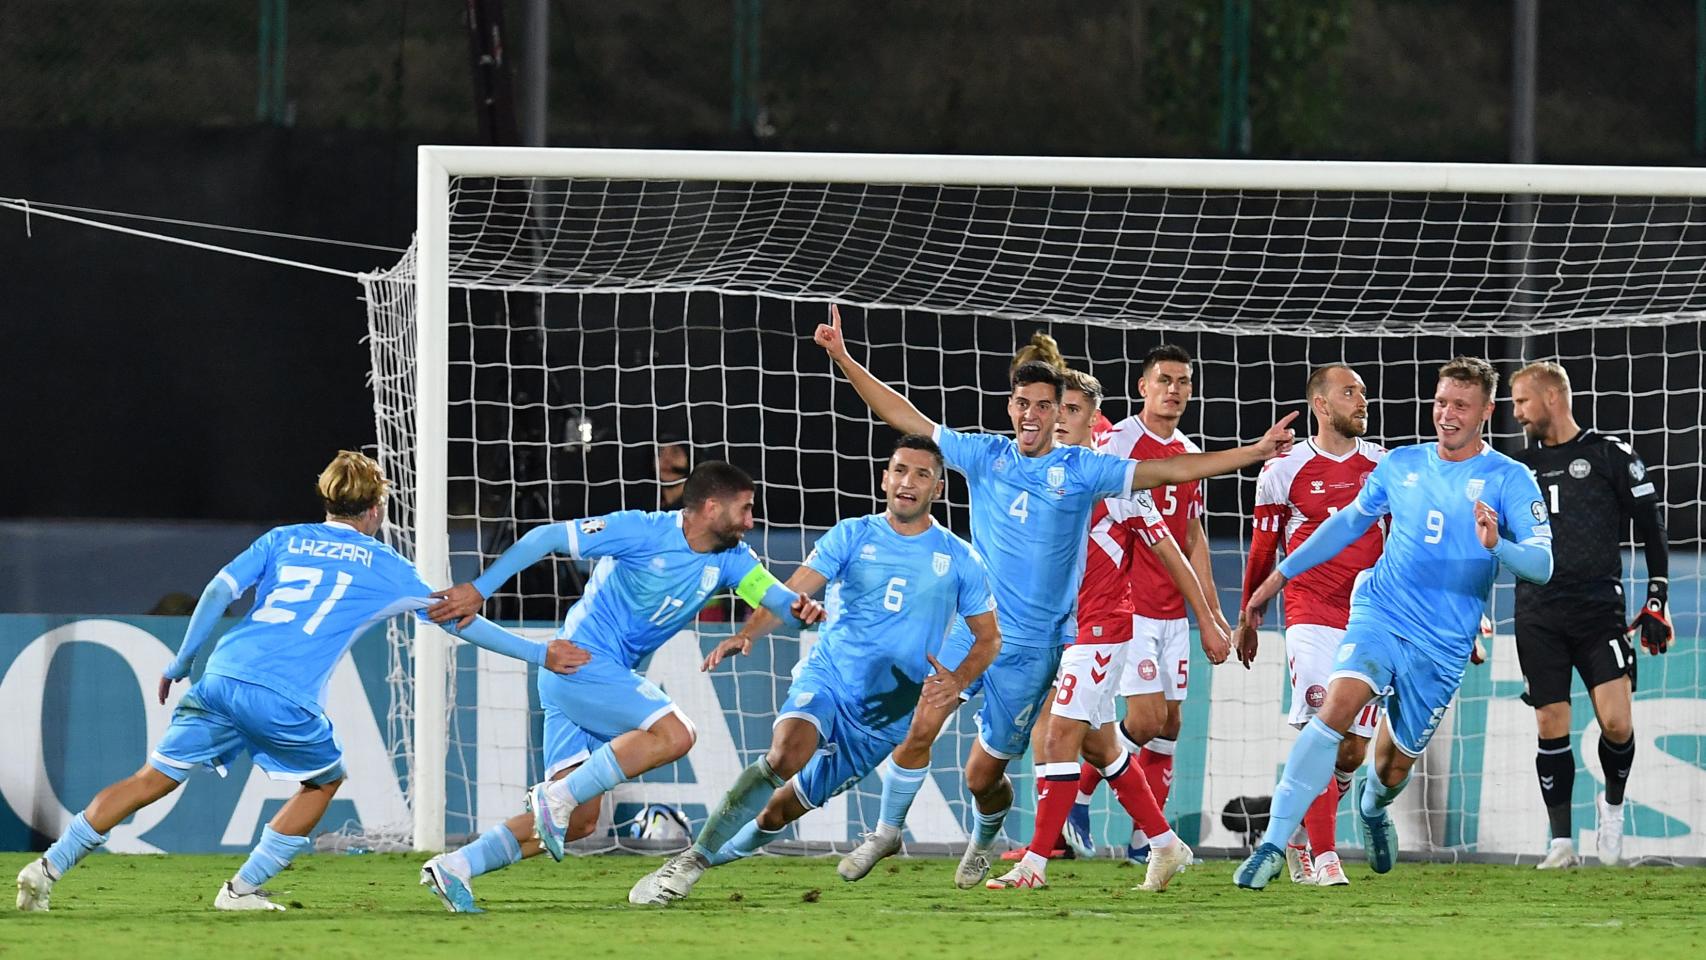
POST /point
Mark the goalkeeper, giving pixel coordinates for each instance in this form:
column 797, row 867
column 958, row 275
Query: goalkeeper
column 1594, row 485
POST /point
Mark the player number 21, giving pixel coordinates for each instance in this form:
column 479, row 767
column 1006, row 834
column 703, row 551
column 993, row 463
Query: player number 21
column 296, row 584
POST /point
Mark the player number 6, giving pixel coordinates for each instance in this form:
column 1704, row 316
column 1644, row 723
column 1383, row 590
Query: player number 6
column 892, row 597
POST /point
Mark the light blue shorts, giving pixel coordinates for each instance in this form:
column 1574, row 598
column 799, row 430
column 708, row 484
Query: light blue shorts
column 1013, row 689
column 219, row 719
column 846, row 752
column 594, row 705
column 1416, row 688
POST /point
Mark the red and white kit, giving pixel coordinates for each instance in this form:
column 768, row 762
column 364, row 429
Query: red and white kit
column 1294, row 495
column 1089, row 678
column 1158, row 657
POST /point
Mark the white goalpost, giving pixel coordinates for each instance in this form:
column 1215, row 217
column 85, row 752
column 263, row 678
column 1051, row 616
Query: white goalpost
column 564, row 313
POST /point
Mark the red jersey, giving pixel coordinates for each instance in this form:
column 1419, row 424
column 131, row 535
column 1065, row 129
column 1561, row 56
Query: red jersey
column 1099, row 429
column 1293, row 496
column 1119, row 528
column 1153, row 593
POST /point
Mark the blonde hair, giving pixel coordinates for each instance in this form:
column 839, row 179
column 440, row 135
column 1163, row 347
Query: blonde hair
column 351, row 484
column 1549, row 373
column 1084, row 383
column 1043, row 349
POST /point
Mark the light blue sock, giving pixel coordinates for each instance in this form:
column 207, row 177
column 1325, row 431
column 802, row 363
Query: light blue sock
column 747, row 842
column 1377, row 796
column 272, row 854
column 988, row 825
column 899, row 788
column 740, row 805
column 497, row 848
column 1307, row 771
column 79, row 840
column 593, row 778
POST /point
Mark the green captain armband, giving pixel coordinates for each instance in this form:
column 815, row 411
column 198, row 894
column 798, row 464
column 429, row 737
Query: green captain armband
column 761, row 589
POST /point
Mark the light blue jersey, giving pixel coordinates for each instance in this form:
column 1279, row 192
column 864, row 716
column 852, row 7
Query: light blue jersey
column 647, row 585
column 890, row 601
column 318, row 587
column 1030, row 517
column 1431, row 582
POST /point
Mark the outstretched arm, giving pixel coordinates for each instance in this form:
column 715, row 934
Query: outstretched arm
column 214, row 599
column 1335, row 534
column 1198, row 466
column 459, row 603
column 805, row 582
column 887, row 403
column 558, row 656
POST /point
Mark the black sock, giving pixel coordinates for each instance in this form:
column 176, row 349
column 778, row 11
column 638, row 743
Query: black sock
column 1616, row 759
column 1555, row 763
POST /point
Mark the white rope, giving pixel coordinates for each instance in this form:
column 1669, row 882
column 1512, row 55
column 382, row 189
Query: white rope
column 199, row 225
column 29, row 210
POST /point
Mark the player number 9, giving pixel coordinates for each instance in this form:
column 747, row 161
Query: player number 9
column 1436, row 527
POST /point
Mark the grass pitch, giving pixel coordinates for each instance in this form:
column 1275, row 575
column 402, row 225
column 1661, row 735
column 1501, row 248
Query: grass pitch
column 135, row 907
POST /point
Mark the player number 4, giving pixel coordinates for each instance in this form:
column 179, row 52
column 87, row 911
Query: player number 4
column 1021, row 506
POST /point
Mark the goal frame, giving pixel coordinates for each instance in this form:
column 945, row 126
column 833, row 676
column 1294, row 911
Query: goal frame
column 436, row 165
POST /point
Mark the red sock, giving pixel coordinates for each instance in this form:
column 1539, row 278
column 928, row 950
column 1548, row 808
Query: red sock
column 1321, row 820
column 1158, row 770
column 1131, row 786
column 1059, row 783
column 1088, row 777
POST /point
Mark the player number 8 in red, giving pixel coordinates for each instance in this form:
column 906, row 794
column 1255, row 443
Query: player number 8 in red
column 1067, row 683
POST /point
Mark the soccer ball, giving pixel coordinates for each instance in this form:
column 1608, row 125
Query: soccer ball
column 660, row 821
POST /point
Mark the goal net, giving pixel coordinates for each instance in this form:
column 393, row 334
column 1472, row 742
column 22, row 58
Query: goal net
column 572, row 328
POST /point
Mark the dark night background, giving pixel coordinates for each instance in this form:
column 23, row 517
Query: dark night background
column 146, row 380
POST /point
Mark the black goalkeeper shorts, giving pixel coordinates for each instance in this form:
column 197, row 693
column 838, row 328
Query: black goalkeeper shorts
column 1557, row 638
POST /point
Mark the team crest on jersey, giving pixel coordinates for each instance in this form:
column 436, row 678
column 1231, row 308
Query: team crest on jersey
column 1637, row 469
column 1362, row 479
column 592, row 525
column 1473, row 488
column 939, row 563
column 1580, row 468
column 1315, row 696
column 1057, row 476
column 1146, row 669
column 708, row 578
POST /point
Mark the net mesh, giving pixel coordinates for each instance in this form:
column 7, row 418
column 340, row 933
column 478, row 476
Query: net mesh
column 603, row 330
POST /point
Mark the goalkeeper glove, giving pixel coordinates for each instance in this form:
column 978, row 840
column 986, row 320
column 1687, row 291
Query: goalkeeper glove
column 1654, row 619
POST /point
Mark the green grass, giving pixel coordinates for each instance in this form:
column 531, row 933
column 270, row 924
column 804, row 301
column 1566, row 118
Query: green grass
column 132, row 907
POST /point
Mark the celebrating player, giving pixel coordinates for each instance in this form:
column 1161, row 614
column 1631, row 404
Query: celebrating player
column 1597, row 484
column 901, row 578
column 1079, row 716
column 1458, row 510
column 320, row 585
column 1031, row 504
column 1295, row 495
column 606, row 724
column 1156, row 678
